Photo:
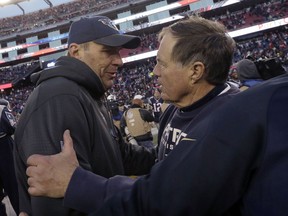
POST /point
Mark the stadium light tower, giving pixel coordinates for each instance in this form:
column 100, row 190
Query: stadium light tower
column 22, row 9
column 49, row 3
column 10, row 2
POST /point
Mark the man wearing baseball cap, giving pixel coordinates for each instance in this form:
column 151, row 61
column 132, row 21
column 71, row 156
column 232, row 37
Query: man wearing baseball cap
column 69, row 96
column 137, row 123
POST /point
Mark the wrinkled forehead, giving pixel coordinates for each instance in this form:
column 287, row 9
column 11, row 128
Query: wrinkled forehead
column 166, row 46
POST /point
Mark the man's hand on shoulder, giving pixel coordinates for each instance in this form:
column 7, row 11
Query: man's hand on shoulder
column 49, row 175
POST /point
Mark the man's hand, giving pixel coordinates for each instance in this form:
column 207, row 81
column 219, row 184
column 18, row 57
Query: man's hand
column 50, row 175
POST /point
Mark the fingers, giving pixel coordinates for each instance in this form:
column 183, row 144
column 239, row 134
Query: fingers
column 33, row 160
column 49, row 175
column 32, row 190
column 32, row 171
column 68, row 142
column 23, row 214
column 68, row 149
column 35, row 191
column 33, row 178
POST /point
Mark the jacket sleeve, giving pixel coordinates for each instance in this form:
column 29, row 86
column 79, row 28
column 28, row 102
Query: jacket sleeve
column 87, row 191
column 40, row 133
column 137, row 160
column 205, row 174
column 146, row 115
column 123, row 124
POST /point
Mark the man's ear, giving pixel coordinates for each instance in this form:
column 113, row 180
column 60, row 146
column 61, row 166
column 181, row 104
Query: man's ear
column 197, row 70
column 73, row 50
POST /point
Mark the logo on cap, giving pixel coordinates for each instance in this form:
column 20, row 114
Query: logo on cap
column 109, row 23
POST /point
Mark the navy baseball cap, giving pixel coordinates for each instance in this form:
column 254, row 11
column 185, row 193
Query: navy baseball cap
column 103, row 31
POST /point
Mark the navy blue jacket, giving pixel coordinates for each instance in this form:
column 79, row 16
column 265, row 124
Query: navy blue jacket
column 86, row 198
column 233, row 163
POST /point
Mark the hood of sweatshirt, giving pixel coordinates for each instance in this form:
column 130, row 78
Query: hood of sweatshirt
column 75, row 70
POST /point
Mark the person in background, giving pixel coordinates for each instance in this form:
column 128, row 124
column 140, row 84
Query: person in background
column 71, row 96
column 155, row 103
column 113, row 107
column 137, row 123
column 233, row 77
column 8, row 181
column 247, row 74
column 191, row 78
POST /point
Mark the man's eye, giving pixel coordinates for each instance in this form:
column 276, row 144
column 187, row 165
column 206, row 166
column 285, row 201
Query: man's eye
column 112, row 51
column 108, row 50
column 162, row 66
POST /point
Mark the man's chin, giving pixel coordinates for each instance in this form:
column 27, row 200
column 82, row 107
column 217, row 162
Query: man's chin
column 108, row 86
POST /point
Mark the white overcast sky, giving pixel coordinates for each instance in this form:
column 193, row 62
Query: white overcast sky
column 28, row 6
